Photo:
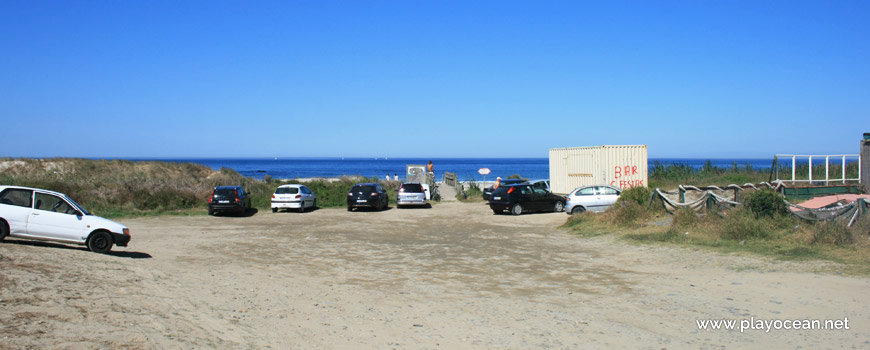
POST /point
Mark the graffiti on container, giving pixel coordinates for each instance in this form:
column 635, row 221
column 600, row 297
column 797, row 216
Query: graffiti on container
column 621, row 176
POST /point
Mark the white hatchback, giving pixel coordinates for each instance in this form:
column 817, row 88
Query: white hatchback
column 591, row 198
column 47, row 215
column 296, row 197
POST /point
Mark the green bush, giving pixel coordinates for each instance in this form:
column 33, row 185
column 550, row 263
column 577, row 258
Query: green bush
column 684, row 218
column 629, row 214
column 742, row 224
column 765, row 203
column 471, row 191
column 639, row 195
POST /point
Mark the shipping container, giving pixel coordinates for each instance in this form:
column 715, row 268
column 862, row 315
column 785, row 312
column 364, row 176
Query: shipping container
column 618, row 166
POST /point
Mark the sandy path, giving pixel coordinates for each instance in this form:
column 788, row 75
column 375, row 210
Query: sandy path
column 453, row 276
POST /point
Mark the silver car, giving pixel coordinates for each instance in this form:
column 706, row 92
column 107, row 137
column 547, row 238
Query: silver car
column 411, row 194
column 591, row 198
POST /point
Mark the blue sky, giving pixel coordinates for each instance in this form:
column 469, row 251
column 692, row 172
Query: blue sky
column 700, row 79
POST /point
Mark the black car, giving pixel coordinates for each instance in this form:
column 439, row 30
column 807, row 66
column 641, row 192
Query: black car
column 487, row 192
column 367, row 195
column 229, row 199
column 524, row 198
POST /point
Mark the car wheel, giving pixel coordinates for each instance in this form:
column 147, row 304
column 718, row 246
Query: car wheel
column 517, row 209
column 210, row 212
column 496, row 212
column 349, row 208
column 559, row 207
column 4, row 230
column 100, row 242
column 577, row 210
column 302, row 207
column 314, row 205
column 274, row 210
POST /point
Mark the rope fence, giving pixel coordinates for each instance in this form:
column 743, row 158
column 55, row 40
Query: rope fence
column 710, row 201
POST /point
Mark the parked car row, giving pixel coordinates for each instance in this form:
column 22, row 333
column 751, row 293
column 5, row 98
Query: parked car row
column 518, row 198
column 47, row 215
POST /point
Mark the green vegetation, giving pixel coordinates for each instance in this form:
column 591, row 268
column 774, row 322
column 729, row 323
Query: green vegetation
column 472, row 192
column 670, row 175
column 761, row 227
column 113, row 188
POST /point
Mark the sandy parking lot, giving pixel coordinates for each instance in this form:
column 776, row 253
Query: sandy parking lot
column 450, row 277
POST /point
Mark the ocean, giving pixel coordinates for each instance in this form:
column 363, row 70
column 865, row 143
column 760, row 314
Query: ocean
column 465, row 168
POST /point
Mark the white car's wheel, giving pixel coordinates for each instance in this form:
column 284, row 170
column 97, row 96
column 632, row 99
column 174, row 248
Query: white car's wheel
column 100, row 242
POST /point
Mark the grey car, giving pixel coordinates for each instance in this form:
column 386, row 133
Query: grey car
column 411, row 194
column 591, row 198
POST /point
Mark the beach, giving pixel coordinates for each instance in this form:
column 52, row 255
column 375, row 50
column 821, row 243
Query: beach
column 451, row 277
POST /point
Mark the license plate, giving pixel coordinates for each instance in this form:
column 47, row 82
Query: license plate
column 496, row 198
column 361, row 201
column 223, row 202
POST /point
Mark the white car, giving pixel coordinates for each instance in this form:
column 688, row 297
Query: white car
column 296, row 197
column 47, row 215
column 591, row 198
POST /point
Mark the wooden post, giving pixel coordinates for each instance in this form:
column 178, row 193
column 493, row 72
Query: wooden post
column 682, row 195
column 864, row 167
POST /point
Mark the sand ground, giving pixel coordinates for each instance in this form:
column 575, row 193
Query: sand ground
column 451, row 277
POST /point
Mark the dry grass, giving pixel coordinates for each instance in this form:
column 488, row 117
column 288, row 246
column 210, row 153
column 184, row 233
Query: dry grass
column 737, row 231
column 113, row 188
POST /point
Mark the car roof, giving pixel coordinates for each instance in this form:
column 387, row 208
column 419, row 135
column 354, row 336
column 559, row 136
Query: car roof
column 366, row 184
column 33, row 189
column 292, row 185
column 613, row 187
column 227, row 187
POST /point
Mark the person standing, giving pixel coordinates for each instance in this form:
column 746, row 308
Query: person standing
column 497, row 183
column 430, row 168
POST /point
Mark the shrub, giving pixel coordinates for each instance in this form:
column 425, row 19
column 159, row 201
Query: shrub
column 471, row 191
column 835, row 233
column 639, row 195
column 684, row 218
column 629, row 214
column 577, row 220
column 518, row 177
column 765, row 203
column 742, row 224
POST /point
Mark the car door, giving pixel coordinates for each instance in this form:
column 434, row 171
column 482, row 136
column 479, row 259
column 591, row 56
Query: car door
column 15, row 208
column 52, row 217
column 307, row 197
column 585, row 197
column 608, row 196
column 599, row 199
column 542, row 198
column 384, row 196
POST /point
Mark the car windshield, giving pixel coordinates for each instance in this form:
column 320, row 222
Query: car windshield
column 287, row 190
column 363, row 189
column 78, row 206
column 225, row 192
column 412, row 188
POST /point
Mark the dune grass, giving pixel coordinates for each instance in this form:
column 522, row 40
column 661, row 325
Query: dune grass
column 114, row 188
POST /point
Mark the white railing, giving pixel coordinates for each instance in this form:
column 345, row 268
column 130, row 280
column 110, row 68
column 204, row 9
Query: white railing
column 794, row 158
